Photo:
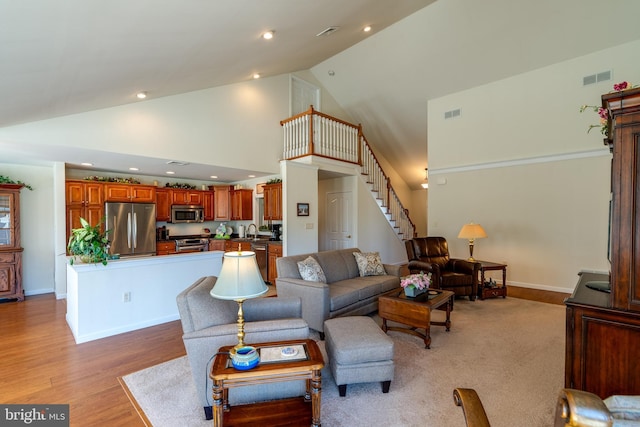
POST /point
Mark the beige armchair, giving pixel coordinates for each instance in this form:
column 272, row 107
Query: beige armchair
column 209, row 323
column 575, row 408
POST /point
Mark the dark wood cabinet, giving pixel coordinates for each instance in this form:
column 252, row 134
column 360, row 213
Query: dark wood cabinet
column 273, row 202
column 208, row 202
column 603, row 329
column 242, row 204
column 217, row 244
column 10, row 249
column 129, row 193
column 166, row 247
column 163, row 204
column 222, row 202
column 274, row 251
column 186, row 197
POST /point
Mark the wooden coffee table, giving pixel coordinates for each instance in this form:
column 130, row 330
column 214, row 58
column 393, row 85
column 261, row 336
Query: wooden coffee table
column 414, row 312
column 306, row 367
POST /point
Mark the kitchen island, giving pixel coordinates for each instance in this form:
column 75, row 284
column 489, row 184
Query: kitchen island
column 132, row 293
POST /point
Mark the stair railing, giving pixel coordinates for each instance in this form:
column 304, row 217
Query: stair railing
column 314, row 133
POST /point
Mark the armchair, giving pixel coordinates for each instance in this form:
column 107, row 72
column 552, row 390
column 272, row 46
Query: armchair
column 431, row 255
column 209, row 323
column 575, row 408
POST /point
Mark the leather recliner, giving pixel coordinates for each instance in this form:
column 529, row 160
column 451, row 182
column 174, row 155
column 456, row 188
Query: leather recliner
column 431, row 255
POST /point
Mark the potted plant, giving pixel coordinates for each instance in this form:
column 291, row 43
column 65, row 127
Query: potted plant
column 89, row 244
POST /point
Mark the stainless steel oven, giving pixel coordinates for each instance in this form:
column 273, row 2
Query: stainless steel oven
column 192, row 245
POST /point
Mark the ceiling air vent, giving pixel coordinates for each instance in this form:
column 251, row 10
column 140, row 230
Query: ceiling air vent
column 327, row 31
column 174, row 162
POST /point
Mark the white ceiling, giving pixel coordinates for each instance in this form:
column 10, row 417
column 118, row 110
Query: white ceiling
column 70, row 56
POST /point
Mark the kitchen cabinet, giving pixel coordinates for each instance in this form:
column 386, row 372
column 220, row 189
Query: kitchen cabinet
column 274, row 251
column 222, row 202
column 242, row 204
column 163, row 204
column 231, row 245
column 10, row 249
column 165, row 247
column 217, row 244
column 186, row 197
column 273, row 201
column 209, row 205
column 129, row 193
column 84, row 199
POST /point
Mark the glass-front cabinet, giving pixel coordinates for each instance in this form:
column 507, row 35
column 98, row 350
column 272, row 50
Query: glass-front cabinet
column 10, row 250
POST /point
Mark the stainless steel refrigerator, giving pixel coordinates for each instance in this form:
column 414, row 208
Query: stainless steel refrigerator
column 133, row 228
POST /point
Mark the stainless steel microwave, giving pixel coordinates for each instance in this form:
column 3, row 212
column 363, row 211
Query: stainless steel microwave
column 187, row 213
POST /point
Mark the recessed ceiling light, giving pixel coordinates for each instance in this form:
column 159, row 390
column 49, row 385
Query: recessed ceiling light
column 134, row 169
column 367, row 28
column 141, row 95
column 214, row 176
column 86, row 164
column 256, row 75
column 170, row 173
column 268, row 35
column 252, row 176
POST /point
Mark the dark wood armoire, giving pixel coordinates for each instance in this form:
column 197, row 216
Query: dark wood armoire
column 603, row 329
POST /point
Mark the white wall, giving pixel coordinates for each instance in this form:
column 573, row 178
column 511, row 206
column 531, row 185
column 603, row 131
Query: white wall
column 299, row 185
column 37, row 226
column 519, row 161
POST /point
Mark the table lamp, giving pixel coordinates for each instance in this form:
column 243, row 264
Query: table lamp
column 239, row 279
column 471, row 232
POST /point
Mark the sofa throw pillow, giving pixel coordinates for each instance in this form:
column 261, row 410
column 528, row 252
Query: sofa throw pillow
column 311, row 270
column 369, row 264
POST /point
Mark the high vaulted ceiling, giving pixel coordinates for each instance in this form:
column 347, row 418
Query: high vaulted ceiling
column 70, row 56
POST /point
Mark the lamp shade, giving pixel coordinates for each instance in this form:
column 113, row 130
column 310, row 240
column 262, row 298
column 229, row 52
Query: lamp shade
column 472, row 231
column 239, row 277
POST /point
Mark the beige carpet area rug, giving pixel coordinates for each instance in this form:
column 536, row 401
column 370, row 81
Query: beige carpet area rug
column 511, row 351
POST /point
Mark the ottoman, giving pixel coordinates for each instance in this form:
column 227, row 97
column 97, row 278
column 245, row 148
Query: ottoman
column 359, row 352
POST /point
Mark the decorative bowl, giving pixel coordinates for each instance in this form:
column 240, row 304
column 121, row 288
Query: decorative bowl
column 245, row 358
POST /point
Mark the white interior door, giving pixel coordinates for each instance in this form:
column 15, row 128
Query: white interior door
column 339, row 220
column 303, row 94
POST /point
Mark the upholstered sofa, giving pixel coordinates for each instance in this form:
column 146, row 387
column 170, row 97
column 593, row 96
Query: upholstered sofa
column 431, row 255
column 209, row 323
column 345, row 293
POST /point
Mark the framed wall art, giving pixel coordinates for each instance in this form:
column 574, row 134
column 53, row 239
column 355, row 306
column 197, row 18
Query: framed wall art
column 303, row 209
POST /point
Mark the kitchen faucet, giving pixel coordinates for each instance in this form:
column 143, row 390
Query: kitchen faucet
column 255, row 231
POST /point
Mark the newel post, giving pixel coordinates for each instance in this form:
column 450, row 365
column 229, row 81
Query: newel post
column 311, row 113
column 388, row 191
column 360, row 135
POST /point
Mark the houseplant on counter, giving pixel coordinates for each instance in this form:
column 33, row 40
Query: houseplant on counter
column 416, row 284
column 89, row 244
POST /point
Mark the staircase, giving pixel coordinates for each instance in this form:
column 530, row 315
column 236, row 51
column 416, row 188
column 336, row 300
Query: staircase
column 312, row 133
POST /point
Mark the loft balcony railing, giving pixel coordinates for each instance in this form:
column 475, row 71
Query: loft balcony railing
column 313, row 133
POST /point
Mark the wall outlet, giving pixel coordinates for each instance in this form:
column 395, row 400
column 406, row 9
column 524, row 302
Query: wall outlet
column 126, row 297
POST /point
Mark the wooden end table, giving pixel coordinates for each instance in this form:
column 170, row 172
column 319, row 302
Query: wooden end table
column 487, row 292
column 414, row 312
column 308, row 367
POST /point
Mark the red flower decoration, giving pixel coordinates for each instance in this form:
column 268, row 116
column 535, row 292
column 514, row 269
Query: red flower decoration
column 620, row 86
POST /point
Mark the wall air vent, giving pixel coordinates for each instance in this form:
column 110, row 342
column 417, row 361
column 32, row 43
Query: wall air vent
column 327, row 31
column 602, row 76
column 174, row 162
column 452, row 114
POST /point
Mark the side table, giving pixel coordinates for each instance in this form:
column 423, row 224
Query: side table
column 492, row 292
column 308, row 368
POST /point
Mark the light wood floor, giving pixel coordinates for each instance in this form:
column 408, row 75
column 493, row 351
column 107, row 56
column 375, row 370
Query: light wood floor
column 42, row 364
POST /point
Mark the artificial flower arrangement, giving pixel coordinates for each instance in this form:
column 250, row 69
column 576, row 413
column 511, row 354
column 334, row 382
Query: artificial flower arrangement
column 420, row 281
column 603, row 112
